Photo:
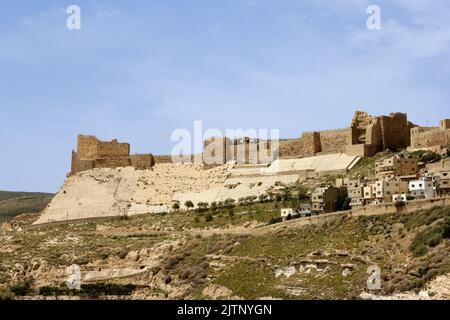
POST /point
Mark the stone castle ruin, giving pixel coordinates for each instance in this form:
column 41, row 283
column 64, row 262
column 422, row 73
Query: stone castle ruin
column 433, row 138
column 259, row 165
column 92, row 153
column 366, row 136
column 220, row 150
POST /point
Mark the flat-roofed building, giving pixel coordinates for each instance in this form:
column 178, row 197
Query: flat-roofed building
column 424, row 188
column 443, row 183
column 355, row 192
column 397, row 166
column 326, row 200
column 382, row 191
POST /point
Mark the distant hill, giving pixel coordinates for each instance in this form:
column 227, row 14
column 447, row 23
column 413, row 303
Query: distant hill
column 15, row 203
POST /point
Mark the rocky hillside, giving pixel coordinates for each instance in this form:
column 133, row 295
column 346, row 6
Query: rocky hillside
column 231, row 253
column 15, row 203
column 125, row 191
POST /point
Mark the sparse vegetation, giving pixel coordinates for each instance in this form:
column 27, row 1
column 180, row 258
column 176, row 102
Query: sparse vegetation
column 16, row 203
column 411, row 249
column 188, row 204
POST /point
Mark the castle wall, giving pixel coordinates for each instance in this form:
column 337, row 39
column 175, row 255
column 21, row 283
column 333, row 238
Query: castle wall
column 142, row 161
column 373, row 135
column 360, row 150
column 113, row 149
column 312, row 143
column 87, row 147
column 395, row 131
column 162, row 159
column 216, row 150
column 93, row 153
column 335, row 140
column 445, row 124
column 290, row 148
column 366, row 136
column 430, row 138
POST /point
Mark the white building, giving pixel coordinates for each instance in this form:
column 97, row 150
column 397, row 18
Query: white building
column 400, row 197
column 285, row 213
column 424, row 188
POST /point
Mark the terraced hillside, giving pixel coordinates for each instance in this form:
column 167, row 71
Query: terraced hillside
column 15, row 203
column 235, row 252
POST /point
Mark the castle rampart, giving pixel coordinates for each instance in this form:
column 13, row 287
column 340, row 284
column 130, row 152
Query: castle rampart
column 93, row 153
column 435, row 138
column 366, row 136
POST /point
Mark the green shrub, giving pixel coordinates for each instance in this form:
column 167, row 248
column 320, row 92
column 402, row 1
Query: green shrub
column 419, row 250
column 188, row 204
column 107, row 289
column 275, row 220
column 302, row 193
column 431, row 157
column 429, row 237
column 202, row 207
column 446, row 231
column 208, row 217
column 55, row 291
column 24, row 288
column 176, row 206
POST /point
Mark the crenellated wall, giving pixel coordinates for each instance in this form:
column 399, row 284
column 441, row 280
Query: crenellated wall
column 366, row 136
column 430, row 137
column 93, row 153
column 335, row 141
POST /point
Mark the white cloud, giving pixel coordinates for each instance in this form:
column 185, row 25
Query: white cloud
column 44, row 18
column 403, row 41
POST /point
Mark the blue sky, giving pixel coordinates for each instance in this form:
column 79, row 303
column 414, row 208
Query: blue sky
column 137, row 70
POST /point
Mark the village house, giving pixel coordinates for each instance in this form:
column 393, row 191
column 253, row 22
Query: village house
column 326, row 200
column 401, row 197
column 355, row 192
column 390, row 168
column 304, row 210
column 383, row 191
column 287, row 213
column 443, row 187
column 424, row 188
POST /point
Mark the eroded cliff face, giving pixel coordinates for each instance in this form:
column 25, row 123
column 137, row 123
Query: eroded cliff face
column 105, row 192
